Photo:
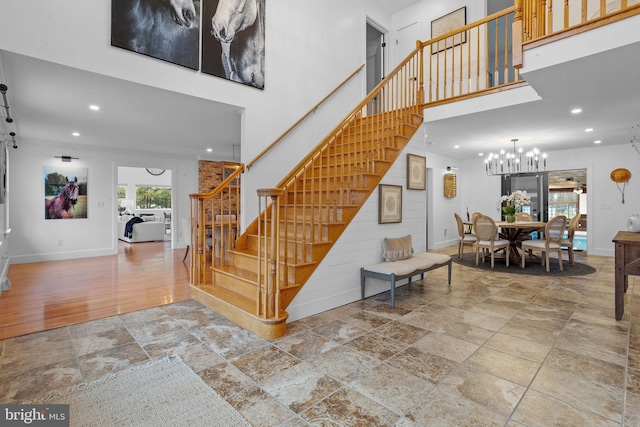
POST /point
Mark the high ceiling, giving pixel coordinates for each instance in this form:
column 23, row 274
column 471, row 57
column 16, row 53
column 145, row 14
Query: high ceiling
column 49, row 101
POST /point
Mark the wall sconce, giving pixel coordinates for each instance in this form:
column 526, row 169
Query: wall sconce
column 452, row 168
column 66, row 158
column 13, row 139
column 3, row 91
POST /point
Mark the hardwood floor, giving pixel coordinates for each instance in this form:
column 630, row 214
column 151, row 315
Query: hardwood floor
column 47, row 295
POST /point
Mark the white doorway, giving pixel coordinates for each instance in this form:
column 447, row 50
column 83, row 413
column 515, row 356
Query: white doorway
column 155, row 201
column 375, row 51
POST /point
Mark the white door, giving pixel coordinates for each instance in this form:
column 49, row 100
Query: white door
column 405, row 40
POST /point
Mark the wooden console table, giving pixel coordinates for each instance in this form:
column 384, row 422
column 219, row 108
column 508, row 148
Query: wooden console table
column 627, row 263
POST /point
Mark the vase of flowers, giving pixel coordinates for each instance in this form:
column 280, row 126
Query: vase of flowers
column 514, row 203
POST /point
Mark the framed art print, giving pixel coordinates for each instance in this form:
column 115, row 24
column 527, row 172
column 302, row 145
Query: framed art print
column 389, row 204
column 416, row 172
column 448, row 23
column 233, row 40
column 164, row 30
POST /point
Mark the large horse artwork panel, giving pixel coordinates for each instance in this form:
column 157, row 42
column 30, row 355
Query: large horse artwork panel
column 163, row 29
column 65, row 193
column 233, row 40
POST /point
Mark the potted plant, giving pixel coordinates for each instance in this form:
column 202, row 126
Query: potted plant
column 514, row 203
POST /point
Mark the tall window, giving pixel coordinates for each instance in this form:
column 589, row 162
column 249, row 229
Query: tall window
column 148, row 197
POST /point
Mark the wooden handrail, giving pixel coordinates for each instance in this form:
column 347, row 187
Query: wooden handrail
column 539, row 18
column 301, row 119
column 215, row 203
column 348, row 117
column 474, row 24
column 223, row 184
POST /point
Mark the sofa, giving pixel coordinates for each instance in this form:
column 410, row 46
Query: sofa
column 150, row 230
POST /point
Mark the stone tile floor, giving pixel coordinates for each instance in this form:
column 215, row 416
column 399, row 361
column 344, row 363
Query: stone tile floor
column 492, row 349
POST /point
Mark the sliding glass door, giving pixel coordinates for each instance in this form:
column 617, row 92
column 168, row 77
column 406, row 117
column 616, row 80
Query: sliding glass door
column 537, row 187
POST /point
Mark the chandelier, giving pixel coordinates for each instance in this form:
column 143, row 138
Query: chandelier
column 505, row 163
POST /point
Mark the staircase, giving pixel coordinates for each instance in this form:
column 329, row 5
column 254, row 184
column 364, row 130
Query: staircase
column 254, row 281
column 253, row 277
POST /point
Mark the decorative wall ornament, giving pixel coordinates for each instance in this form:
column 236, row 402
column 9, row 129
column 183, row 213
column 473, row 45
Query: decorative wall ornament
column 621, row 176
column 445, row 24
column 416, row 172
column 389, row 204
column 450, row 185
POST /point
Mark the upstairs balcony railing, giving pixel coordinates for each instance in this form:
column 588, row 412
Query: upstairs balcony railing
column 471, row 60
column 548, row 20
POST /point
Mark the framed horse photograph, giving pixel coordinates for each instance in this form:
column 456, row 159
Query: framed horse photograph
column 233, row 40
column 65, row 192
column 164, row 29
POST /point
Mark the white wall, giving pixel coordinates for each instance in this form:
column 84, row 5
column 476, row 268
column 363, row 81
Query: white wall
column 35, row 239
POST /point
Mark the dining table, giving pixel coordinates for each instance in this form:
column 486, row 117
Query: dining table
column 515, row 232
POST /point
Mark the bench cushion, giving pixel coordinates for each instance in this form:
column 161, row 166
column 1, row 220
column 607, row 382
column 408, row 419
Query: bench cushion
column 436, row 258
column 397, row 268
column 397, row 248
column 418, row 263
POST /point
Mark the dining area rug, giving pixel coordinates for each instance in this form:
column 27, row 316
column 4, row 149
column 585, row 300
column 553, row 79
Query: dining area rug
column 161, row 392
column 532, row 267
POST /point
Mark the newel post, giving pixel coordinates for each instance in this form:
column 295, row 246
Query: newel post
column 517, row 32
column 268, row 301
column 420, row 48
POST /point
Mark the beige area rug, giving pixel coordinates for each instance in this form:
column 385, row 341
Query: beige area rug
column 162, row 392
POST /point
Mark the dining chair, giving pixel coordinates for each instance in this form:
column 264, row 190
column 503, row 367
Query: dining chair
column 523, row 216
column 487, row 239
column 568, row 241
column 552, row 242
column 465, row 239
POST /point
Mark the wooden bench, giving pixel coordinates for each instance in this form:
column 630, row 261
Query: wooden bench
column 401, row 263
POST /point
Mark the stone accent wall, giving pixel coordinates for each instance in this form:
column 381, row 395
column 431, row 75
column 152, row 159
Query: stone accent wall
column 210, row 175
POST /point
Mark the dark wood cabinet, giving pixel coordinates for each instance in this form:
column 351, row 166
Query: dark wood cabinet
column 627, row 252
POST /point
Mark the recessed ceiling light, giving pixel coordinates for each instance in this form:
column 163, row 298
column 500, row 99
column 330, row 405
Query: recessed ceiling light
column 456, row 146
column 597, row 141
column 588, row 130
column 75, row 133
column 209, row 150
column 94, row 107
column 576, row 111
column 480, row 154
